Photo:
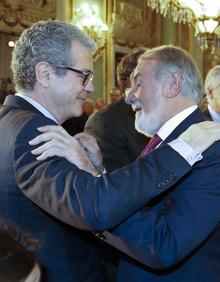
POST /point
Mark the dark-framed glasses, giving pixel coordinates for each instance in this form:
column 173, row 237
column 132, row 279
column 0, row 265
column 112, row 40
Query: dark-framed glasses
column 87, row 75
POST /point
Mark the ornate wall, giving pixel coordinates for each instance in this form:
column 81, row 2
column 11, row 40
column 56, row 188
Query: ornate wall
column 15, row 16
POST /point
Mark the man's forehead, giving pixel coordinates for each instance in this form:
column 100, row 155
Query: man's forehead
column 143, row 66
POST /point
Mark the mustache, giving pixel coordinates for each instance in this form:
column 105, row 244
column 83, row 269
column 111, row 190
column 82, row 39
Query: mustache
column 136, row 105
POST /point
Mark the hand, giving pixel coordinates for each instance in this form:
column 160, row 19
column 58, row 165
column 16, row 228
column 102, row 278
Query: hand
column 92, row 149
column 57, row 142
column 202, row 135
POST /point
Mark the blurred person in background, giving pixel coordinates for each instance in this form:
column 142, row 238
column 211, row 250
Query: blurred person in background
column 99, row 104
column 115, row 94
column 6, row 88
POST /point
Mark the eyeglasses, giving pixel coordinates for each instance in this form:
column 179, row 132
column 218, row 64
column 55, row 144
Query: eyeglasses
column 87, row 75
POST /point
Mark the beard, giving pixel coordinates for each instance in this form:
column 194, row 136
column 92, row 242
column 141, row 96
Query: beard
column 149, row 123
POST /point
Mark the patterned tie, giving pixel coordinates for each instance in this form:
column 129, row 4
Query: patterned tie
column 154, row 141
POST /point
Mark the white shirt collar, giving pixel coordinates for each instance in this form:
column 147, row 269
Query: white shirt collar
column 38, row 106
column 215, row 116
column 172, row 123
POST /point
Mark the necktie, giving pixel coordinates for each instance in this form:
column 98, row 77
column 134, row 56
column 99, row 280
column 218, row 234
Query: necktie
column 154, row 141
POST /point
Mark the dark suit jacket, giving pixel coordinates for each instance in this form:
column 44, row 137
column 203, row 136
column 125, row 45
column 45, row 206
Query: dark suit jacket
column 113, row 128
column 42, row 197
column 177, row 235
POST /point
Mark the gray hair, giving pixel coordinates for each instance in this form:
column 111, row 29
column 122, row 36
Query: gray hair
column 47, row 41
column 213, row 78
column 171, row 59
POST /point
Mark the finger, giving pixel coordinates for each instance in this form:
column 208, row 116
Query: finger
column 87, row 146
column 51, row 128
column 48, row 146
column 39, row 139
column 43, row 156
column 39, row 150
column 85, row 136
column 47, row 154
column 55, row 129
column 59, row 133
column 51, row 152
column 47, row 136
column 78, row 135
column 88, row 142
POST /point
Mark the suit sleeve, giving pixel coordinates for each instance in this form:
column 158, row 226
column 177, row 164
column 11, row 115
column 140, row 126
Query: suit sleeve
column 93, row 203
column 175, row 225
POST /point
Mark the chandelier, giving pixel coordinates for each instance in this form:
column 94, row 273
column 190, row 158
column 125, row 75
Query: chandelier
column 202, row 15
column 87, row 19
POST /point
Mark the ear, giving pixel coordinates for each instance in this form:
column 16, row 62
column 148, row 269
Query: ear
column 210, row 93
column 43, row 73
column 175, row 83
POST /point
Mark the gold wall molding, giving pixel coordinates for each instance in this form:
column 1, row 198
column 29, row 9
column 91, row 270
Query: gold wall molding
column 129, row 24
column 16, row 15
column 131, row 17
column 133, row 26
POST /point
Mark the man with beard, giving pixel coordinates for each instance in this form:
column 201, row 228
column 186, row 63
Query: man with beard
column 175, row 237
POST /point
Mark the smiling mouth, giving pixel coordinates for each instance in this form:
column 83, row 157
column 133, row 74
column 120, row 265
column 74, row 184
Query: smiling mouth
column 136, row 109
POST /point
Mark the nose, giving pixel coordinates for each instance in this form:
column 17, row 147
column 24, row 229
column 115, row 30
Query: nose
column 130, row 98
column 89, row 87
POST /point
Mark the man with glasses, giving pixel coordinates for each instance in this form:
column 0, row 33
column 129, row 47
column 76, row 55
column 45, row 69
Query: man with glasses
column 52, row 68
column 53, row 78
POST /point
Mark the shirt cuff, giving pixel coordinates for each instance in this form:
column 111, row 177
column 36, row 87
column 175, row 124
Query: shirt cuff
column 186, row 151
